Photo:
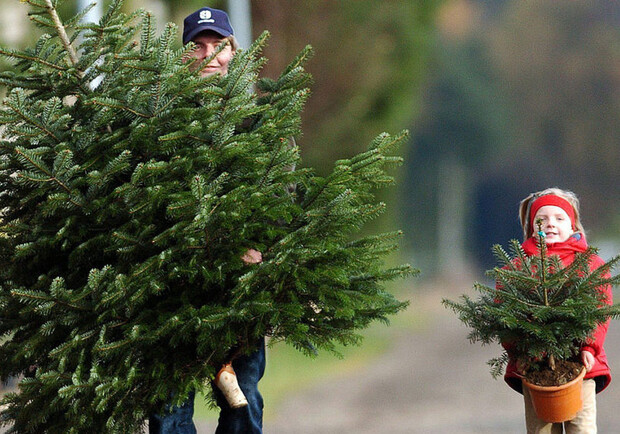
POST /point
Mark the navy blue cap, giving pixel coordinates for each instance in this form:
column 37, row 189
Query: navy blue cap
column 206, row 19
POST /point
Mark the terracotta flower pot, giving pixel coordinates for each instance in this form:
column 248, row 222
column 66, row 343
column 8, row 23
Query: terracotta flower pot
column 557, row 403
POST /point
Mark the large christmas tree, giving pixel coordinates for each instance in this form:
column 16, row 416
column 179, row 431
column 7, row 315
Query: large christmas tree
column 130, row 188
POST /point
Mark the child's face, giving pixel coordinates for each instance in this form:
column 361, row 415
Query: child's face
column 206, row 45
column 556, row 223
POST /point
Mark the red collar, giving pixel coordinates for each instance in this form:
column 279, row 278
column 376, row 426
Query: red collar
column 566, row 250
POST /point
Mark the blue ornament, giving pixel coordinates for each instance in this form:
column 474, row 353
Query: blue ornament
column 541, row 234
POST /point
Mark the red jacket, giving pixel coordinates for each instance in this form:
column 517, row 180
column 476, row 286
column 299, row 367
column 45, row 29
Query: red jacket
column 566, row 251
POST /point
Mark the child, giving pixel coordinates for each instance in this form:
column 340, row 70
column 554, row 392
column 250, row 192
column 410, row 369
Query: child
column 564, row 235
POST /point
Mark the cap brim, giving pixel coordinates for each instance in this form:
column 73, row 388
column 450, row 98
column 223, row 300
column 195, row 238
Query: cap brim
column 223, row 32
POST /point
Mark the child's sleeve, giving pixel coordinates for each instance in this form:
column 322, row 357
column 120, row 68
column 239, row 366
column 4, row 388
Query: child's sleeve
column 595, row 343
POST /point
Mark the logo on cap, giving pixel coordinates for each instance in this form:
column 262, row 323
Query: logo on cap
column 205, row 17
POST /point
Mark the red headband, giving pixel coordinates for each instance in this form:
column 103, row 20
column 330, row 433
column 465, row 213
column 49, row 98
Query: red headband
column 551, row 199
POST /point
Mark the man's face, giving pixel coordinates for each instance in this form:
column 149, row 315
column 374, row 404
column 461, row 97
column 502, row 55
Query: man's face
column 206, row 45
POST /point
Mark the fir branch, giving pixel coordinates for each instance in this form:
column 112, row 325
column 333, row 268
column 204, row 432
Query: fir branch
column 29, row 58
column 28, row 119
column 117, row 105
column 53, row 178
column 62, row 34
column 148, row 33
column 31, row 297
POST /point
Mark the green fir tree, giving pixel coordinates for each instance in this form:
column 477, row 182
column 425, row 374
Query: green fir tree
column 130, row 188
column 542, row 310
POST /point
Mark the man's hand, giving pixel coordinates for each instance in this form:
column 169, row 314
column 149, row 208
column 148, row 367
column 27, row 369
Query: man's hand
column 252, row 256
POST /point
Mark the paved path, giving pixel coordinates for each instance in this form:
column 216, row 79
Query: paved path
column 431, row 382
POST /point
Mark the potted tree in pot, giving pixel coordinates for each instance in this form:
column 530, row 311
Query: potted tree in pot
column 542, row 313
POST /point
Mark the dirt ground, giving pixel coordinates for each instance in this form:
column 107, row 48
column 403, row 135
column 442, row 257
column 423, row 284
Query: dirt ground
column 431, row 382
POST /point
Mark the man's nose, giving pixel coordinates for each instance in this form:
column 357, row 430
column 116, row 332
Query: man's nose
column 203, row 53
column 209, row 50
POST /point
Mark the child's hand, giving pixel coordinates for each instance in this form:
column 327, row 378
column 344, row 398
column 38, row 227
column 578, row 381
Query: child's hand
column 252, row 256
column 587, row 358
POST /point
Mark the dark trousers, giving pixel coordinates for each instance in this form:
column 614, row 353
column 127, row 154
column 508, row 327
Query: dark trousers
column 244, row 420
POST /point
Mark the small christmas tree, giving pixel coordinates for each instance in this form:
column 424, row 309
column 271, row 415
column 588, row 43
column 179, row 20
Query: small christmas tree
column 544, row 311
column 130, row 189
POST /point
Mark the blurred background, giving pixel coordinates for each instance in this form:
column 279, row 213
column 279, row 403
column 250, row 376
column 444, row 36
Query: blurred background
column 501, row 98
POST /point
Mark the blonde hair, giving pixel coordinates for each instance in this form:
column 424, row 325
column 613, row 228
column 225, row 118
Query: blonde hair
column 234, row 44
column 525, row 205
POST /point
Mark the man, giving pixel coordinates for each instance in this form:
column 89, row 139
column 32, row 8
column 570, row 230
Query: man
column 208, row 28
